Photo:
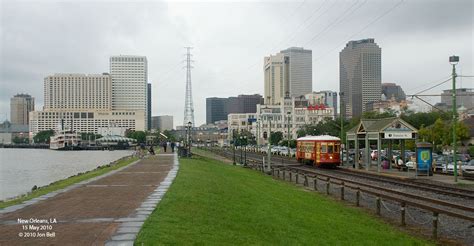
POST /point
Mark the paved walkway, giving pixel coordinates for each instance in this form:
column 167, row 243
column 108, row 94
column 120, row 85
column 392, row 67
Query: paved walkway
column 109, row 209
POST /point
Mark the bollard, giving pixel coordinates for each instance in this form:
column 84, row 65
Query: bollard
column 342, row 191
column 297, row 176
column 315, row 183
column 278, row 172
column 377, row 204
column 305, row 180
column 435, row 225
column 291, row 172
column 358, row 197
column 327, row 186
column 284, row 174
column 402, row 213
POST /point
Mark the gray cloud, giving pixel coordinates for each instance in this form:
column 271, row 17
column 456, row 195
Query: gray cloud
column 230, row 40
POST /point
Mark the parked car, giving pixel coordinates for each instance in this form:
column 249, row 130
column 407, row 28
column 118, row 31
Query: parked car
column 410, row 165
column 440, row 163
column 468, row 169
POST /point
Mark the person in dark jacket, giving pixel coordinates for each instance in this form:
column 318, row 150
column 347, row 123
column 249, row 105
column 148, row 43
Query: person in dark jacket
column 172, row 146
column 164, row 146
column 151, row 150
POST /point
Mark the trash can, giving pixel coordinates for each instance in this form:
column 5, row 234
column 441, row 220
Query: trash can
column 182, row 152
column 424, row 159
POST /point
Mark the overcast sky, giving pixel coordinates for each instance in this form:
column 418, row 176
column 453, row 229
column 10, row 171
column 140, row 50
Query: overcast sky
column 230, row 39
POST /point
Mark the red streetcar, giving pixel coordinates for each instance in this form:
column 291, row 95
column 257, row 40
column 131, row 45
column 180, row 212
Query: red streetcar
column 319, row 150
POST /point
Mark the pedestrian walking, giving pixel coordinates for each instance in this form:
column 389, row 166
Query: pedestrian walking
column 172, row 146
column 164, row 146
column 151, row 150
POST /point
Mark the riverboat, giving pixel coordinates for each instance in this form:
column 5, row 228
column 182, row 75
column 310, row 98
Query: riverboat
column 65, row 140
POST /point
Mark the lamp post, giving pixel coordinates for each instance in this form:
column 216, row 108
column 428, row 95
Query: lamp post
column 245, row 151
column 454, row 61
column 288, row 124
column 233, row 144
column 189, row 138
column 341, row 94
column 241, row 144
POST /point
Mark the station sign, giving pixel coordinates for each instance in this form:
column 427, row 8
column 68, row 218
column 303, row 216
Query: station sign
column 397, row 135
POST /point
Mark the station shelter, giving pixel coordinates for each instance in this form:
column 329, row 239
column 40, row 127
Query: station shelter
column 385, row 130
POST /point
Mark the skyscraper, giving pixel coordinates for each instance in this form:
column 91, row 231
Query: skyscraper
column 301, row 71
column 393, row 90
column 360, row 74
column 20, row 107
column 129, row 83
column 218, row 108
column 276, row 78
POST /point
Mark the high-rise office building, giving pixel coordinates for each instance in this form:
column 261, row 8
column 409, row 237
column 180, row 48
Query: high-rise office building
column 148, row 106
column 276, row 78
column 392, row 90
column 20, row 107
column 218, row 108
column 162, row 122
column 301, row 71
column 129, row 83
column 360, row 74
column 77, row 91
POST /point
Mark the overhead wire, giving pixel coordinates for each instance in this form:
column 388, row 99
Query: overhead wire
column 363, row 28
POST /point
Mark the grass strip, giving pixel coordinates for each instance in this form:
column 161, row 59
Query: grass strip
column 217, row 204
column 60, row 184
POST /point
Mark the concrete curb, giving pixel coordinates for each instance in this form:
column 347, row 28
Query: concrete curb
column 130, row 226
column 54, row 193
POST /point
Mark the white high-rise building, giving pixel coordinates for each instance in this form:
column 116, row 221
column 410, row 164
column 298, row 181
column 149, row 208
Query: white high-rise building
column 129, row 83
column 360, row 74
column 301, row 71
column 276, row 69
column 77, row 92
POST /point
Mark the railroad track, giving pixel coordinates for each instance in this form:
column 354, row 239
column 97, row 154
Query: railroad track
column 405, row 182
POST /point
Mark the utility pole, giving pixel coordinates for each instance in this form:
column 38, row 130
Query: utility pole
column 342, row 127
column 454, row 60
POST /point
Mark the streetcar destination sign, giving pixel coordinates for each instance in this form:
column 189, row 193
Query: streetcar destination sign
column 397, row 135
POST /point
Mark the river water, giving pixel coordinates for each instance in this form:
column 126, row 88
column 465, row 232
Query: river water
column 21, row 169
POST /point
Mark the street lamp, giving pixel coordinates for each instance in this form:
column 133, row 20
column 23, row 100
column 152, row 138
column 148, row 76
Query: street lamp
column 341, row 94
column 454, row 61
column 233, row 144
column 288, row 124
column 241, row 144
column 245, row 151
column 189, row 138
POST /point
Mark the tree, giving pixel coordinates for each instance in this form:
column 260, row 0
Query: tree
column 43, row 136
column 275, row 137
column 140, row 136
column 20, row 140
column 284, row 142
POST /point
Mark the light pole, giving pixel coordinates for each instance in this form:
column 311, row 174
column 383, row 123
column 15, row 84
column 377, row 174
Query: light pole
column 269, row 143
column 189, row 138
column 241, row 144
column 454, row 60
column 245, row 151
column 288, row 124
column 342, row 127
column 233, row 144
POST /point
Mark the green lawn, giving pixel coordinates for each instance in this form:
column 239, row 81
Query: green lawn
column 214, row 203
column 67, row 182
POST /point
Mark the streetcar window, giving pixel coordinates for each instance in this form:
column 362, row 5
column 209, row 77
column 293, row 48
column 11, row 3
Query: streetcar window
column 330, row 148
column 323, row 148
column 336, row 148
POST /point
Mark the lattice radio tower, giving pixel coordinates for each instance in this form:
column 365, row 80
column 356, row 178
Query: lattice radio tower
column 188, row 103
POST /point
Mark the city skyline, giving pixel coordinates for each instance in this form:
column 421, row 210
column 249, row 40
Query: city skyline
column 409, row 34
